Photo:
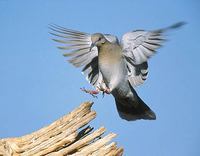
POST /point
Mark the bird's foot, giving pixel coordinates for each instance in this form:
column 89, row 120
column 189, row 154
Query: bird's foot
column 91, row 92
column 104, row 90
column 107, row 90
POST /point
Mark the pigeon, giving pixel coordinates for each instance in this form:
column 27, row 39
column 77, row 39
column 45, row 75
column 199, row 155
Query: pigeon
column 112, row 66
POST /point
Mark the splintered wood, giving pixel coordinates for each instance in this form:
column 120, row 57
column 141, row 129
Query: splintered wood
column 69, row 135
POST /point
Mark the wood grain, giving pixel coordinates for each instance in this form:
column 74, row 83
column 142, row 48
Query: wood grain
column 70, row 135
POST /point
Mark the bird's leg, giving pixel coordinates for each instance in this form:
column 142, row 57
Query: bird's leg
column 107, row 90
column 104, row 90
column 91, row 92
column 101, row 87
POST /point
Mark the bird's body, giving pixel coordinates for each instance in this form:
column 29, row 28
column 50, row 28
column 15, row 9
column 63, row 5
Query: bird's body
column 111, row 64
column 114, row 67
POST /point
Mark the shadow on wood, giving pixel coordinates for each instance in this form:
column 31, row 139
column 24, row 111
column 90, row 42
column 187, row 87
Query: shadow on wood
column 69, row 135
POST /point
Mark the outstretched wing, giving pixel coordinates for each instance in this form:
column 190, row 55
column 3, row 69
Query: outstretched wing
column 78, row 48
column 138, row 46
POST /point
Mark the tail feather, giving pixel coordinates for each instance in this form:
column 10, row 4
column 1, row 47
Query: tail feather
column 131, row 111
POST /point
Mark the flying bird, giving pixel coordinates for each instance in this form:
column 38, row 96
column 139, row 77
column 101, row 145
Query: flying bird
column 112, row 66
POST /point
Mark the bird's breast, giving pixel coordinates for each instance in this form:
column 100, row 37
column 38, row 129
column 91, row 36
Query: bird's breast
column 110, row 54
column 111, row 65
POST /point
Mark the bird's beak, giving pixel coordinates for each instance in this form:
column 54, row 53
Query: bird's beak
column 91, row 46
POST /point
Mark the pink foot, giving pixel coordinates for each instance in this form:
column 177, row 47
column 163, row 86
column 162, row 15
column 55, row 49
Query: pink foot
column 104, row 90
column 107, row 91
column 91, row 92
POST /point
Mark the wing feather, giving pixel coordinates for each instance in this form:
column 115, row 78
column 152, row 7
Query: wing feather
column 138, row 46
column 78, row 48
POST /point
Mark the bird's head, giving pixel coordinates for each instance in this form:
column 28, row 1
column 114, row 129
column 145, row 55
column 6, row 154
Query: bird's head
column 97, row 40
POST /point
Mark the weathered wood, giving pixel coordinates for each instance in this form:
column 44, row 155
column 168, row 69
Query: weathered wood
column 66, row 136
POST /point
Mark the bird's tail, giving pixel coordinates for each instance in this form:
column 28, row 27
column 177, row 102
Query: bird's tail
column 131, row 110
column 134, row 111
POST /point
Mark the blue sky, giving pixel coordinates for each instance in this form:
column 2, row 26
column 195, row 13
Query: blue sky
column 37, row 85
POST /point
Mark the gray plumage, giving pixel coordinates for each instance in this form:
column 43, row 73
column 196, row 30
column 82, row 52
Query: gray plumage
column 117, row 66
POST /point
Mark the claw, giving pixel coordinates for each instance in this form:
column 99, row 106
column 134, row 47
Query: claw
column 94, row 96
column 91, row 92
column 103, row 94
column 107, row 91
column 104, row 90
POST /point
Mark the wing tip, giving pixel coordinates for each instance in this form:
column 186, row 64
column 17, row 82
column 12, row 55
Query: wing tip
column 178, row 25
